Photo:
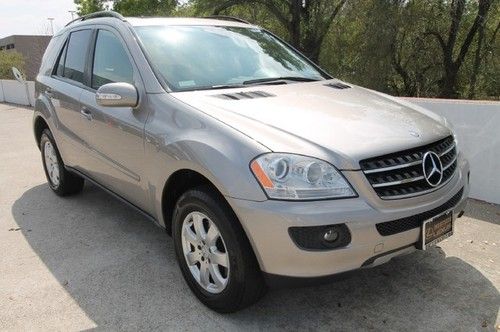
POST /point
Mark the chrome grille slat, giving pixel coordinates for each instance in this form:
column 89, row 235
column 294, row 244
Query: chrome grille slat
column 391, row 168
column 447, row 150
column 401, row 175
column 388, row 184
column 450, row 163
column 416, row 194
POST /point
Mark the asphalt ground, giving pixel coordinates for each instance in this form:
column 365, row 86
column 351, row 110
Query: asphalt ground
column 90, row 262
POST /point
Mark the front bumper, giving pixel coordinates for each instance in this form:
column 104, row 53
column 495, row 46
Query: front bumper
column 266, row 225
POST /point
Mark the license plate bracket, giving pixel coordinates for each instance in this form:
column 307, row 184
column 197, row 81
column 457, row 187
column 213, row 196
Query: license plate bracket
column 436, row 230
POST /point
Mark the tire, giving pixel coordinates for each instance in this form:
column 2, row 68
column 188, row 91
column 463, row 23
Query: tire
column 61, row 181
column 244, row 282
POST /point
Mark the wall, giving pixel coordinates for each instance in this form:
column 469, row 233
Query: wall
column 14, row 92
column 477, row 124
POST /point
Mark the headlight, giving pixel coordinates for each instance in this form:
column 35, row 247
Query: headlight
column 295, row 177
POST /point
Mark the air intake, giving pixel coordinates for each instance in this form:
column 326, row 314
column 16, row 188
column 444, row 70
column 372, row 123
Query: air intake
column 338, row 85
column 244, row 95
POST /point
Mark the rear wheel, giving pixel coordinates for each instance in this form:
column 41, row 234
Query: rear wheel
column 213, row 253
column 61, row 181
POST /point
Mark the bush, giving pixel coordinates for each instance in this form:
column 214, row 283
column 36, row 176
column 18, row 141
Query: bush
column 9, row 59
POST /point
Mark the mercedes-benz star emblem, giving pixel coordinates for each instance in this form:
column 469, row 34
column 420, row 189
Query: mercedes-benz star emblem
column 433, row 168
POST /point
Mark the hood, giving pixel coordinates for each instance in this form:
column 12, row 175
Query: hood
column 317, row 118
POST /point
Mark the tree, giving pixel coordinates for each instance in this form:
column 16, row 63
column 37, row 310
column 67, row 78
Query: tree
column 145, row 7
column 453, row 51
column 306, row 22
column 127, row 7
column 386, row 45
column 9, row 59
column 84, row 7
column 416, row 69
column 485, row 47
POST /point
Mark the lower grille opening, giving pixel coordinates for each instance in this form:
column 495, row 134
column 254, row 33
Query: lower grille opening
column 405, row 224
column 320, row 237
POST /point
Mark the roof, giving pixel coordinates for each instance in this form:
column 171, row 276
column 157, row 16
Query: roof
column 149, row 21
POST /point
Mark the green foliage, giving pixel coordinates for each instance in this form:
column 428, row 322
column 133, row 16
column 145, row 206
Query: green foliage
column 9, row 59
column 145, row 7
column 84, row 7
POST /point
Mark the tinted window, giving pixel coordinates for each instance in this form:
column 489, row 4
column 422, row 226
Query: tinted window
column 111, row 63
column 73, row 56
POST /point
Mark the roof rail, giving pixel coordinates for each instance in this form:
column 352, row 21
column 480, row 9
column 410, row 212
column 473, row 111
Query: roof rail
column 227, row 18
column 104, row 13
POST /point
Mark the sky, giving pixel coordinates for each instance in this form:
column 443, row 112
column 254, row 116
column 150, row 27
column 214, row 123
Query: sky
column 27, row 17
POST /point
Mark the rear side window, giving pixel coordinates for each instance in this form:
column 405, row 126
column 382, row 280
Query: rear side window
column 111, row 63
column 71, row 63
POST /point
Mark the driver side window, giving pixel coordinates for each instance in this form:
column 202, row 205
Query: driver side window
column 111, row 62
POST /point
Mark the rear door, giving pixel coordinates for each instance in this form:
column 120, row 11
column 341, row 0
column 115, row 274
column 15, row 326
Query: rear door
column 116, row 133
column 64, row 89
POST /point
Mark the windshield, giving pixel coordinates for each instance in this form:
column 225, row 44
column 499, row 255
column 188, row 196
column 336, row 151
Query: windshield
column 205, row 57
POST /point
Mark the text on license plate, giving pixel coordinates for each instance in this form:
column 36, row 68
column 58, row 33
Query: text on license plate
column 437, row 229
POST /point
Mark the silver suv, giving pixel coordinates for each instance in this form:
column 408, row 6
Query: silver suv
column 263, row 168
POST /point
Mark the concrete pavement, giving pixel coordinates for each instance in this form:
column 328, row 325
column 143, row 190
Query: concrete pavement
column 89, row 261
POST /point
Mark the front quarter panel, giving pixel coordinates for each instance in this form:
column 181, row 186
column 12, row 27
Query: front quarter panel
column 180, row 137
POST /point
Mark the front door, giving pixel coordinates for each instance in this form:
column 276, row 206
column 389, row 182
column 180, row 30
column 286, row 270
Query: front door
column 115, row 134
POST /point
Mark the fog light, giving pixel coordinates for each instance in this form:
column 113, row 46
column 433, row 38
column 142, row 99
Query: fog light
column 331, row 235
column 321, row 237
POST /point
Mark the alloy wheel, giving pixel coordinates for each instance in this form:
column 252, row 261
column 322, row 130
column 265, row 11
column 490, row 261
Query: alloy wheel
column 51, row 163
column 205, row 252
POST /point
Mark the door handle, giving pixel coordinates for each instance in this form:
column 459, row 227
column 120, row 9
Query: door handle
column 86, row 113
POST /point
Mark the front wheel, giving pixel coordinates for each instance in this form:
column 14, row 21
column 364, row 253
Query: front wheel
column 214, row 255
column 60, row 180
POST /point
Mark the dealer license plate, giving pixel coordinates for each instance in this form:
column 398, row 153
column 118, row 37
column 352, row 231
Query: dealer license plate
column 436, row 230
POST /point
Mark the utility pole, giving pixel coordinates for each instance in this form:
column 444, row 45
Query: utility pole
column 51, row 20
column 72, row 12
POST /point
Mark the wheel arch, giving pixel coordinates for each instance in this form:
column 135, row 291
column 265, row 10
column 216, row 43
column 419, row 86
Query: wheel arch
column 178, row 183
column 39, row 125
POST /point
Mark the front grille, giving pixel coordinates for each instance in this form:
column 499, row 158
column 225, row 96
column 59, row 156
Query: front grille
column 400, row 175
column 405, row 224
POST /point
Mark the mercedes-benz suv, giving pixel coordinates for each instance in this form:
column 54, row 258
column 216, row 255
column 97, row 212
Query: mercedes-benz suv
column 262, row 167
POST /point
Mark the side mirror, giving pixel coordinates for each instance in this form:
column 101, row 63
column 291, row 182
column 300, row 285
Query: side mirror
column 117, row 95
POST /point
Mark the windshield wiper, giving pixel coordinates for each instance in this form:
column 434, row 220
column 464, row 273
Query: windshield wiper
column 279, row 79
column 225, row 86
column 213, row 87
column 259, row 81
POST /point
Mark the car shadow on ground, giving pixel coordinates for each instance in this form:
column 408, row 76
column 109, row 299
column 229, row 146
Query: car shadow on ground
column 121, row 270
